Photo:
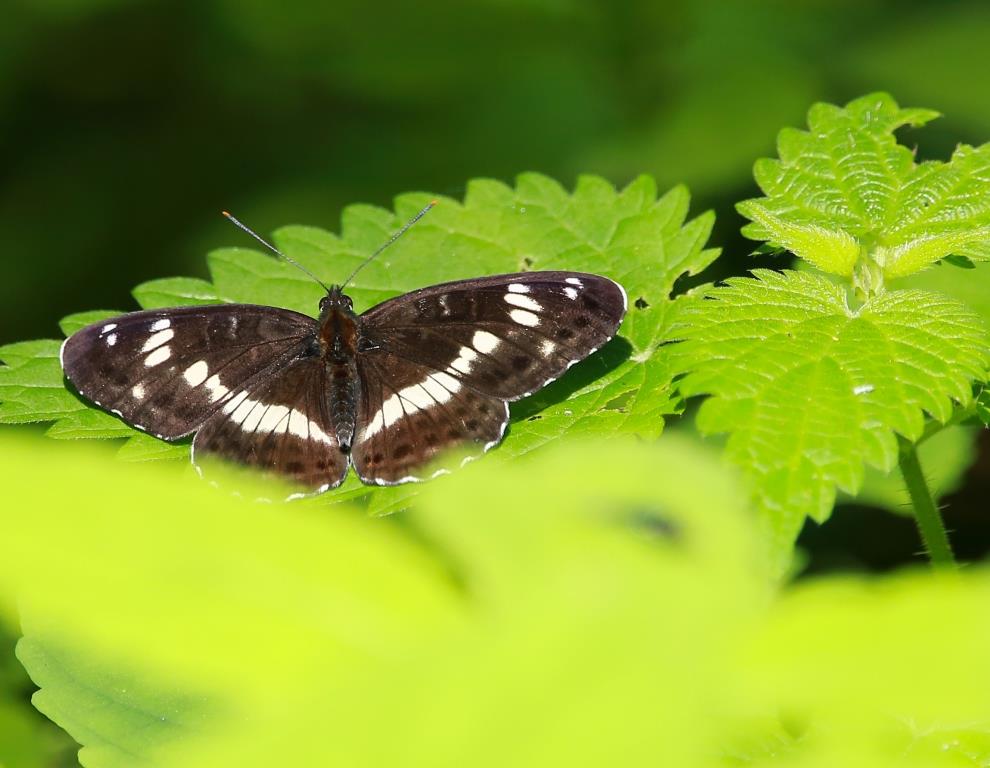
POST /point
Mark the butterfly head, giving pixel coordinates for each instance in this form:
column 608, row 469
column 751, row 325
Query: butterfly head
column 336, row 299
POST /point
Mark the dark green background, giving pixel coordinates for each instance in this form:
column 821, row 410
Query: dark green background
column 128, row 125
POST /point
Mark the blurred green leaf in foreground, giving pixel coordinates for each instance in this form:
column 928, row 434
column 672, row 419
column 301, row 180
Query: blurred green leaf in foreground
column 595, row 602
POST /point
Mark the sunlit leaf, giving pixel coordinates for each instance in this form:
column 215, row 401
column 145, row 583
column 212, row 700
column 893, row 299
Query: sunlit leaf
column 844, row 194
column 811, row 390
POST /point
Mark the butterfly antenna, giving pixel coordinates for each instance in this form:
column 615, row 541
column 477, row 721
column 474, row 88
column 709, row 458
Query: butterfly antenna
column 391, row 240
column 272, row 248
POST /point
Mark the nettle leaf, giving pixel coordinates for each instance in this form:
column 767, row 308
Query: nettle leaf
column 810, row 389
column 630, row 235
column 845, row 194
column 983, row 406
column 601, row 602
column 158, row 639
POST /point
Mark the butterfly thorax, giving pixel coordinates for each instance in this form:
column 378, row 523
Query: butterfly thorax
column 338, row 344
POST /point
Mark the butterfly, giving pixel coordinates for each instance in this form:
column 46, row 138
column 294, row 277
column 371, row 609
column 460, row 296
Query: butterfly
column 387, row 391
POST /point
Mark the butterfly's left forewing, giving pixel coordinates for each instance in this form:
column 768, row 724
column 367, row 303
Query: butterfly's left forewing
column 442, row 362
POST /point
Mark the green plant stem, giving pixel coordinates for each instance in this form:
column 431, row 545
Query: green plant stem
column 926, row 513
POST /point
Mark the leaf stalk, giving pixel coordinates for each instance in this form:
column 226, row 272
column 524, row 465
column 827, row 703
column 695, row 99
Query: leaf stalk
column 926, row 512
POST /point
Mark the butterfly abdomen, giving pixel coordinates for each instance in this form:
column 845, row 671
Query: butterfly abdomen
column 339, row 338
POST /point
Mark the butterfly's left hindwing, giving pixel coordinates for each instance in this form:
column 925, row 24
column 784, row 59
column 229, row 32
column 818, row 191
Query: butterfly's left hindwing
column 165, row 371
column 410, row 413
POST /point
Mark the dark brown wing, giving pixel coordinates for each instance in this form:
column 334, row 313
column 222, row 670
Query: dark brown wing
column 279, row 425
column 441, row 363
column 409, row 414
column 165, row 371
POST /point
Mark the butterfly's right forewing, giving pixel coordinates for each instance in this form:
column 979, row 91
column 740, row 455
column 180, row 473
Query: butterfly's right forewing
column 166, row 371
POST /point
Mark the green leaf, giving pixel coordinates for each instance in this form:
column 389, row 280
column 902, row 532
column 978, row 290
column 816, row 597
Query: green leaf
column 148, row 448
column 630, row 235
column 27, row 740
column 114, row 713
column 599, row 602
column 31, row 384
column 72, row 323
column 175, row 291
column 89, row 423
column 983, row 406
column 811, row 390
column 845, row 195
column 168, row 627
column 838, row 653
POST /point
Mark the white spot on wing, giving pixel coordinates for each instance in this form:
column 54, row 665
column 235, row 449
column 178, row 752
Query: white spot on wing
column 254, row 416
column 436, row 389
column 463, row 362
column 216, row 389
column 574, row 281
column 417, row 397
column 275, row 419
column 161, row 325
column 108, row 327
column 111, row 339
column 196, row 373
column 137, row 391
column 518, row 288
column 523, row 317
column 441, row 386
column 160, row 355
column 315, row 433
column 157, row 339
column 547, row 347
column 570, row 293
column 392, row 410
column 522, row 301
column 231, row 405
column 374, row 426
column 298, row 425
column 484, row 342
column 445, row 380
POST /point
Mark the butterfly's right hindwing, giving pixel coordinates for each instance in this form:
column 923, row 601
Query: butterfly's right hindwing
column 166, row 371
column 280, row 425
